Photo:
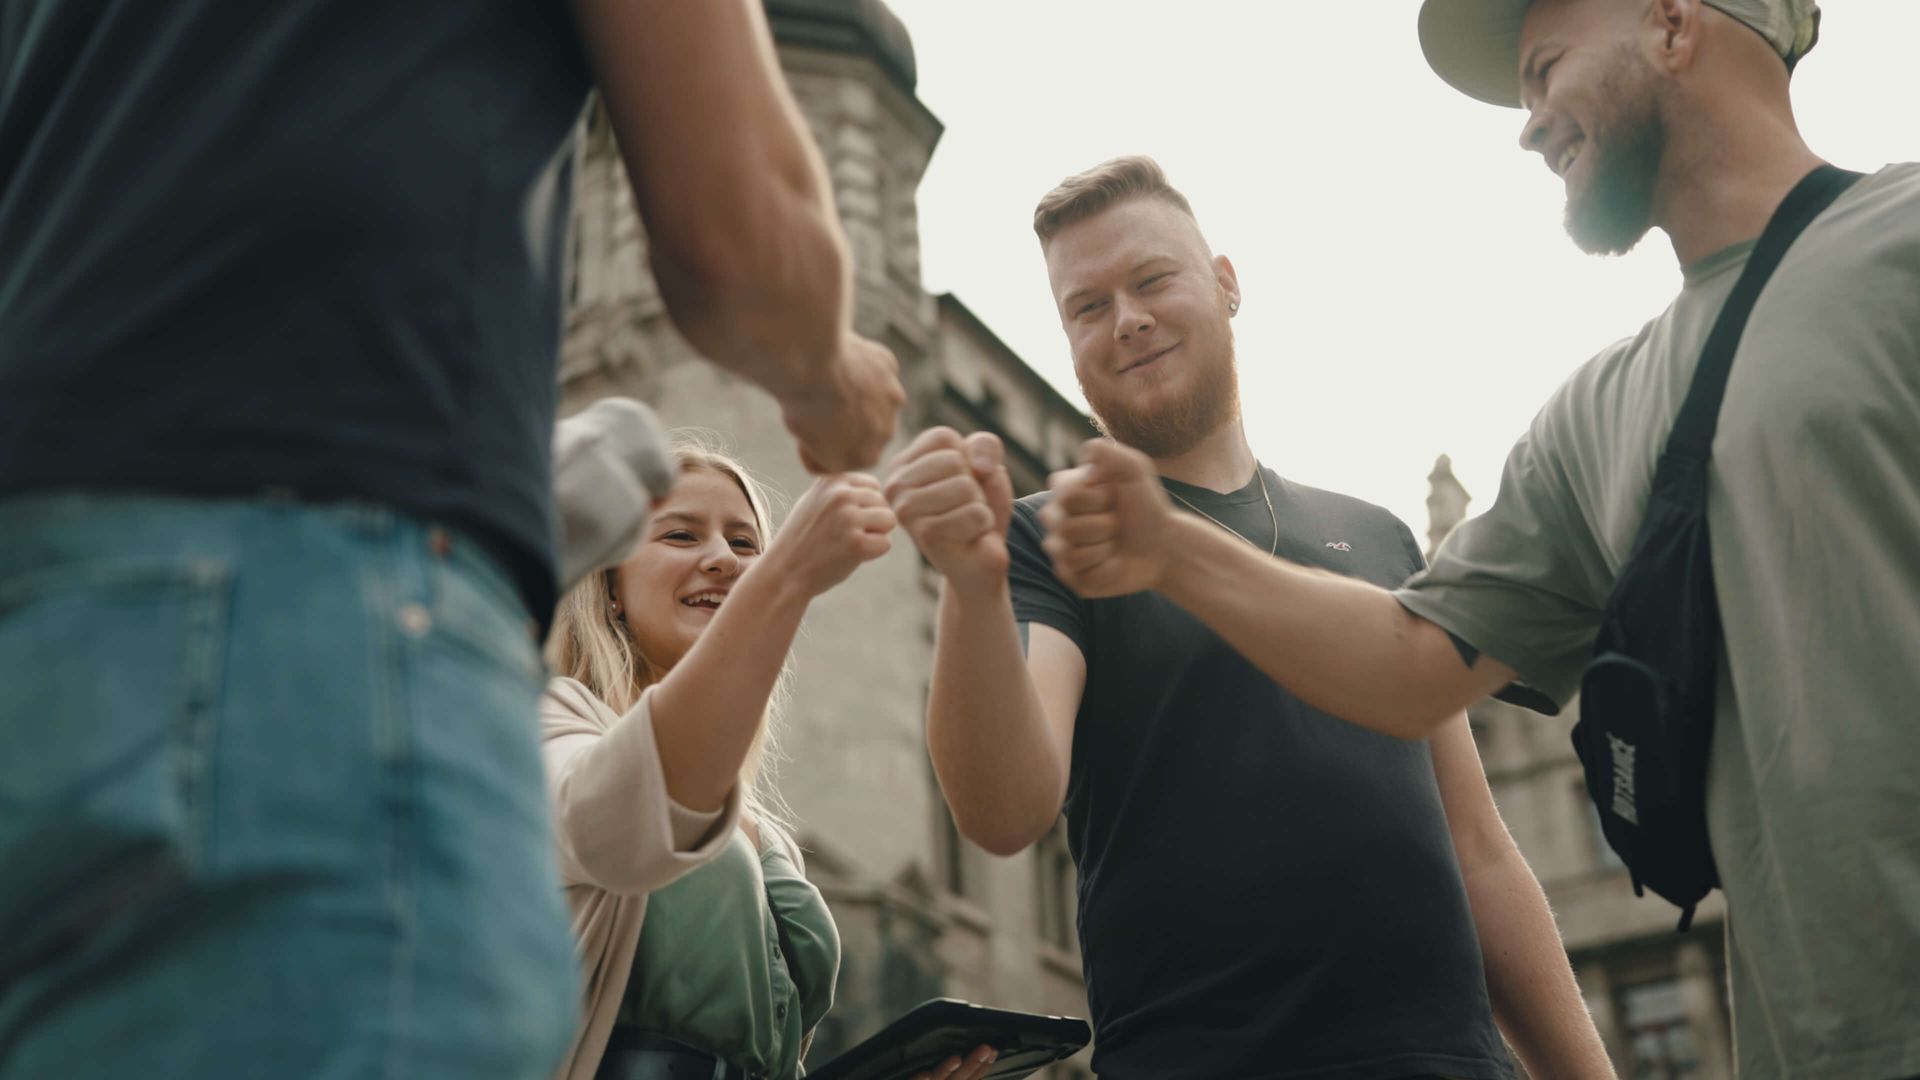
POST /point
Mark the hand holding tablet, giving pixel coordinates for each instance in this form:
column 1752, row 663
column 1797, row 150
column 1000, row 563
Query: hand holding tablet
column 935, row 1032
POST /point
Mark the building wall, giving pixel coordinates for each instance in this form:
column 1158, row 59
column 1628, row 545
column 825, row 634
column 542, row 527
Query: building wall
column 921, row 913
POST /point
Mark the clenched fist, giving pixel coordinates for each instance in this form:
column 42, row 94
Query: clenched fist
column 846, row 423
column 952, row 495
column 1110, row 524
column 841, row 522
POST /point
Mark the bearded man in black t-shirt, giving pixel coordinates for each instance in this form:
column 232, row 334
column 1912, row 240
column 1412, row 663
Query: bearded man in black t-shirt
column 1263, row 892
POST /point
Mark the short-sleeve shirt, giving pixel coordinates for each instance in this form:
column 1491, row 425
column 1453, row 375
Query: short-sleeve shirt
column 1265, row 891
column 306, row 247
column 1813, row 506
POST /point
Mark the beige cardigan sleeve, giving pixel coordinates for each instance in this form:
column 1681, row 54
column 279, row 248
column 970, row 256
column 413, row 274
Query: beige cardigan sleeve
column 613, row 821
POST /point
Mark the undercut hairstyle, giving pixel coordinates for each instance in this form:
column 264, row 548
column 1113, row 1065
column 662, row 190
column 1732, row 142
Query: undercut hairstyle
column 1079, row 197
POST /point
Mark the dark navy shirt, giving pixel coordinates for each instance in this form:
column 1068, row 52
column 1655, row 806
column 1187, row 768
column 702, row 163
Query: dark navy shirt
column 1265, row 891
column 308, row 247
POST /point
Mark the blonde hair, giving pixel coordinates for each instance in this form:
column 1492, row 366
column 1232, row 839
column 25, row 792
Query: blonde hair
column 1083, row 195
column 592, row 644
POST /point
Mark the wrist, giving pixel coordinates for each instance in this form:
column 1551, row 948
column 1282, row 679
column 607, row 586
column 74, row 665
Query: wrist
column 776, row 585
column 816, row 383
column 1192, row 552
column 977, row 592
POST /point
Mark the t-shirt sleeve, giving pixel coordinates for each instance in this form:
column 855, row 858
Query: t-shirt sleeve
column 1524, row 583
column 1039, row 596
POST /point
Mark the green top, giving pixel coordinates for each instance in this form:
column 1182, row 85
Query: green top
column 1813, row 506
column 710, row 970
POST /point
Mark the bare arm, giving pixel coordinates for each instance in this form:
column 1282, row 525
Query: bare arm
column 1343, row 646
column 614, row 827
column 1535, row 999
column 708, row 709
column 999, row 722
column 743, row 234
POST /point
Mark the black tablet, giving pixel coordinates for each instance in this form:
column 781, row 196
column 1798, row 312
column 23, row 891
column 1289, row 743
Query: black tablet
column 942, row 1028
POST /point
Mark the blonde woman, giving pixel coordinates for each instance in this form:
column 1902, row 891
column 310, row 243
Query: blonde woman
column 703, row 946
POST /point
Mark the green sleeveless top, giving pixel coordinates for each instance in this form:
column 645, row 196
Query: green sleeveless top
column 710, row 970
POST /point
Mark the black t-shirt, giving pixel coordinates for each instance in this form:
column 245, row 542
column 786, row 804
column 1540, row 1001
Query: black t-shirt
column 311, row 247
column 1265, row 891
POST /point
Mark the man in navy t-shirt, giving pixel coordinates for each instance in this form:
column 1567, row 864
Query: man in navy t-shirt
column 280, row 306
column 1265, row 892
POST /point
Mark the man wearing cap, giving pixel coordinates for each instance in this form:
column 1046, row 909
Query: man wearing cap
column 1675, row 114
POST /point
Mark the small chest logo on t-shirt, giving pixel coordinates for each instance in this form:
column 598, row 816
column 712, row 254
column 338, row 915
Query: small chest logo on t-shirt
column 1339, row 545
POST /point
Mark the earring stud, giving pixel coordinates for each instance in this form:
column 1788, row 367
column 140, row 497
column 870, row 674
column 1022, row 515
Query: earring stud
column 1233, row 306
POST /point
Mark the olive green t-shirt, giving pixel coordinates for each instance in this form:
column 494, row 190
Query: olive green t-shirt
column 1813, row 504
column 711, row 969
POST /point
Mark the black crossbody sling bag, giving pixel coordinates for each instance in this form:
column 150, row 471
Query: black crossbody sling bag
column 1647, row 699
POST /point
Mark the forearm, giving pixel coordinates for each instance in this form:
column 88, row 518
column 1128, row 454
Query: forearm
column 1535, row 998
column 1343, row 646
column 743, row 234
column 709, row 708
column 775, row 311
column 998, row 765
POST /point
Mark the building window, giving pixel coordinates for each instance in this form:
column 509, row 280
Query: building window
column 1054, row 893
column 990, row 404
column 1659, row 1036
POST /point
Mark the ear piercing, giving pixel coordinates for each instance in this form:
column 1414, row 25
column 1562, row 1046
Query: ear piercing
column 1233, row 306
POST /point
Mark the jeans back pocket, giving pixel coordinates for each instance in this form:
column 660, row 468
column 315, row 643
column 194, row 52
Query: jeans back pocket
column 110, row 673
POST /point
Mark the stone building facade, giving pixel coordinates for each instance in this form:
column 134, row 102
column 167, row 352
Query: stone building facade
column 1658, row 997
column 921, row 913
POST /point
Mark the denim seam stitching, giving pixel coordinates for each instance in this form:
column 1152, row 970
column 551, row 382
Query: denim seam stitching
column 393, row 758
column 202, row 666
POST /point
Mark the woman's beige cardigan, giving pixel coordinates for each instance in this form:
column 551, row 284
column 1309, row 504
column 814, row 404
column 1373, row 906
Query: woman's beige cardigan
column 616, row 833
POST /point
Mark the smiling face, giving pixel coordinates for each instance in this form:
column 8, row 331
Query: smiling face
column 1593, row 102
column 1145, row 311
column 698, row 543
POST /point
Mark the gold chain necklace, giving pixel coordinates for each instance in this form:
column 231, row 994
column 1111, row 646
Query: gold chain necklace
column 1272, row 518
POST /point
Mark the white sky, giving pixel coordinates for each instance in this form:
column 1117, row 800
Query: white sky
column 1408, row 288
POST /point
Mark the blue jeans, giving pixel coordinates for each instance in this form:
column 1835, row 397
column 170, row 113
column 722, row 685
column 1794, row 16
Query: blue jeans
column 270, row 798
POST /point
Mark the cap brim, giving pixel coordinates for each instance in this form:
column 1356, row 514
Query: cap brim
column 1475, row 46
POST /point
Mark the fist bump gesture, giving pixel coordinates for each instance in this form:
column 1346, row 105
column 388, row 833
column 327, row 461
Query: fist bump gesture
column 1110, row 524
column 952, row 495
